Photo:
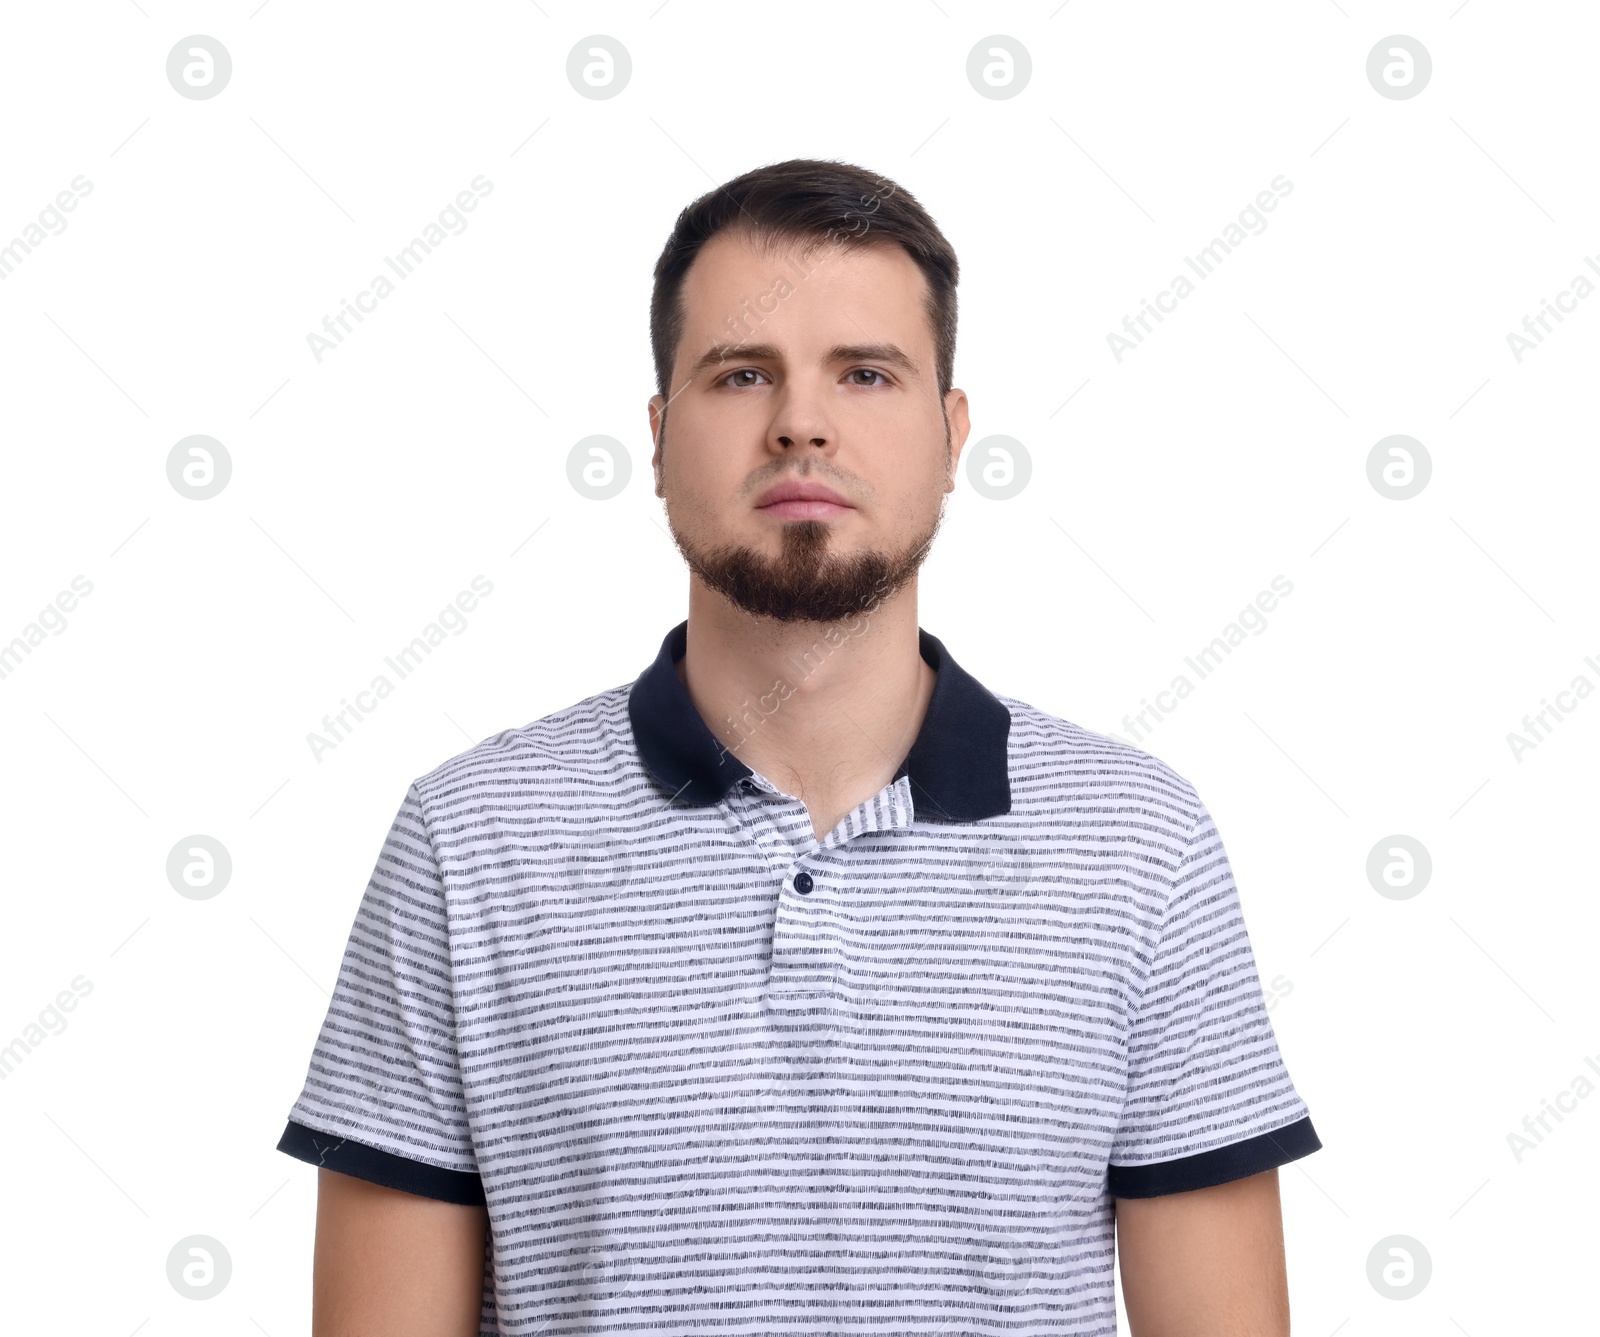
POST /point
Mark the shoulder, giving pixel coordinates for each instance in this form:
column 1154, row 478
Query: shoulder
column 588, row 743
column 1063, row 769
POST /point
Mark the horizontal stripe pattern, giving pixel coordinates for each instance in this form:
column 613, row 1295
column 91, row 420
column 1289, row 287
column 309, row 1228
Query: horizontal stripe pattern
column 699, row 1101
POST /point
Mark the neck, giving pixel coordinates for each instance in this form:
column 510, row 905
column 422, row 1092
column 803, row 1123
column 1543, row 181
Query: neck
column 825, row 712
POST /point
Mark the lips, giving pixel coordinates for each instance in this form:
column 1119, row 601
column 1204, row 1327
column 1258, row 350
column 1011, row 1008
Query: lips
column 801, row 499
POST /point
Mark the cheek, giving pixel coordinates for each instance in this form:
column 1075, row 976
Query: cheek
column 698, row 481
column 717, row 448
column 903, row 455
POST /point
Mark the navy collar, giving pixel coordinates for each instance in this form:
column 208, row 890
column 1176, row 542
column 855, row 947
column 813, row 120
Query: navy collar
column 957, row 765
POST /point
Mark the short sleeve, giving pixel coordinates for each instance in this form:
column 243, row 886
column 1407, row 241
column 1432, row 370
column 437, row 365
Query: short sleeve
column 1208, row 1098
column 383, row 1099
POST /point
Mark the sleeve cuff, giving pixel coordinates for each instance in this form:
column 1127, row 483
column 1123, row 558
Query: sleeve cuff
column 1218, row 1166
column 331, row 1151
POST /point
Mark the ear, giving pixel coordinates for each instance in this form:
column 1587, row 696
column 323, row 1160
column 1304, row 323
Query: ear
column 955, row 407
column 658, row 422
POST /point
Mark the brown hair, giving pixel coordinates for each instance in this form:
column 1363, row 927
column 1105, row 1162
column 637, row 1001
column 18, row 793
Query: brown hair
column 807, row 198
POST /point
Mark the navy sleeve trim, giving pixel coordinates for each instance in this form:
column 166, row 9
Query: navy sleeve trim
column 332, row 1152
column 1218, row 1166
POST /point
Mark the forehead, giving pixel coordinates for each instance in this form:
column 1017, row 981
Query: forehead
column 804, row 289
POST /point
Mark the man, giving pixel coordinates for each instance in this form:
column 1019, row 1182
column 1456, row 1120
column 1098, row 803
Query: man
column 802, row 985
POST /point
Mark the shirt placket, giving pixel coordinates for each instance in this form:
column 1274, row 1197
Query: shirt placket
column 813, row 906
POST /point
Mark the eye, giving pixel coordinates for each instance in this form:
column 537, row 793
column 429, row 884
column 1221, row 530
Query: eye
column 731, row 378
column 868, row 371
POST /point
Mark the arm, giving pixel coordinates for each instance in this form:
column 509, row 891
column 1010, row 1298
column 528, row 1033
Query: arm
column 1207, row 1263
column 392, row 1264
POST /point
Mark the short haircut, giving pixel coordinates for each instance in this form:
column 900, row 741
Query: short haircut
column 815, row 200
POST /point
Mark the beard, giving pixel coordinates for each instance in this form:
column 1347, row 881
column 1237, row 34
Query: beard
column 805, row 582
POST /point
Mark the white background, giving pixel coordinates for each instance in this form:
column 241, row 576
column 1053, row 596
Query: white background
column 369, row 488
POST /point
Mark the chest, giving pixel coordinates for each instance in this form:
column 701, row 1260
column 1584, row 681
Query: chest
column 740, row 975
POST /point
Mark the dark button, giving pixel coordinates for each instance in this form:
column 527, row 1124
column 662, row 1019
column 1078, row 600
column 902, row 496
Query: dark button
column 802, row 883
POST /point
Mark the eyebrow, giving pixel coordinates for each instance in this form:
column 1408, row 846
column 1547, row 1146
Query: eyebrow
column 890, row 354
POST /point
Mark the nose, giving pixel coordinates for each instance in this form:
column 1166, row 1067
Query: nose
column 800, row 418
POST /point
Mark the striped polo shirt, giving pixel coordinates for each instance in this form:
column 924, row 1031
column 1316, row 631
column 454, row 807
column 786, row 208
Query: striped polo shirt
column 712, row 1074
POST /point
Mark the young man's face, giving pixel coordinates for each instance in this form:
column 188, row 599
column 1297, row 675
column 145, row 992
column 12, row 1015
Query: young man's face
column 824, row 379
